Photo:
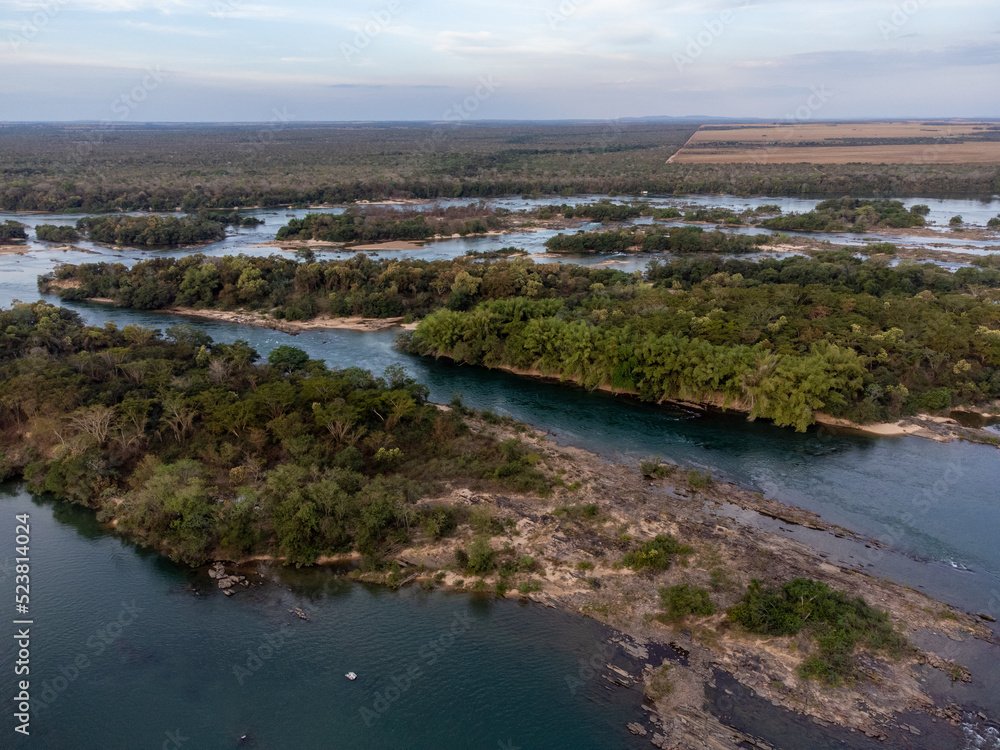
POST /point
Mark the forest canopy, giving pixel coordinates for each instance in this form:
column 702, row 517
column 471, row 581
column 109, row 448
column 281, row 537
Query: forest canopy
column 200, row 449
column 782, row 339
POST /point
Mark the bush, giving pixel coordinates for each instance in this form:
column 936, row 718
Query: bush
column 685, row 599
column 529, row 586
column 837, row 623
column 656, row 554
column 481, row 557
column 655, row 469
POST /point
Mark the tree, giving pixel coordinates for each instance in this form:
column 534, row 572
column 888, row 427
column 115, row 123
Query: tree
column 287, row 358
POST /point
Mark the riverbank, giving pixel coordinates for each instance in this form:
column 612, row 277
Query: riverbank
column 263, row 320
column 576, row 566
column 930, row 427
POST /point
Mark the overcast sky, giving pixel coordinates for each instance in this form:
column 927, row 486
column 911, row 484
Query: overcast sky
column 298, row 60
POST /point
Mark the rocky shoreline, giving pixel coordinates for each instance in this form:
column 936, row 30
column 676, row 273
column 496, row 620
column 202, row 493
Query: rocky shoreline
column 578, row 570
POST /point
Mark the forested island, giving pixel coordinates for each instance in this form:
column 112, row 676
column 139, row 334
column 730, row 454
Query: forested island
column 202, row 451
column 851, row 215
column 374, row 224
column 780, row 339
column 12, row 231
column 654, row 239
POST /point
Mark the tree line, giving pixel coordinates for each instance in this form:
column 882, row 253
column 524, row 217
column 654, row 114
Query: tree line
column 359, row 286
column 787, row 340
column 782, row 339
column 656, row 239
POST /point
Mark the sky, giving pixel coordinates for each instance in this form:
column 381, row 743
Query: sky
column 458, row 60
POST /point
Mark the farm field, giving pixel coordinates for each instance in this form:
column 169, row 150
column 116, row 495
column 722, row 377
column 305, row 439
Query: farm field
column 916, row 142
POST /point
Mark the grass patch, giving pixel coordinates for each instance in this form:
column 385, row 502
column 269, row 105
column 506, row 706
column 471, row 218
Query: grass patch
column 659, row 684
column 577, row 512
column 700, row 479
column 656, row 554
column 655, row 469
column 837, row 624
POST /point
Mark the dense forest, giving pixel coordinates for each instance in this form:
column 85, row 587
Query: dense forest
column 202, row 450
column 88, row 169
column 851, row 215
column 654, row 239
column 151, row 231
column 789, row 339
column 377, row 224
column 781, row 339
column 53, row 233
column 373, row 288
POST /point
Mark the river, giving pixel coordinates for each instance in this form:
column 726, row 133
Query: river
column 934, row 505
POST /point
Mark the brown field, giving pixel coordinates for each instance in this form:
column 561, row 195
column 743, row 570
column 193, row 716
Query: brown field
column 945, row 142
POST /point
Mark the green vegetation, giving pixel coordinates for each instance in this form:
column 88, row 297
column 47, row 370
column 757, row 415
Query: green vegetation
column 700, row 479
column 375, row 225
column 11, row 231
column 150, row 231
column 780, row 339
column 849, row 215
column 195, row 448
column 656, row 554
column 658, row 684
column 604, row 211
column 685, row 599
column 837, row 624
column 653, row 239
column 53, row 233
column 656, row 469
column 300, row 291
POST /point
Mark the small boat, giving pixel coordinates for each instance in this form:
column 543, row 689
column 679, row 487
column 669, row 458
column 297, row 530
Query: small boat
column 351, row 676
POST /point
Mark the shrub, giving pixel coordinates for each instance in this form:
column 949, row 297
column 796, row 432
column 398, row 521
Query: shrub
column 656, row 554
column 659, row 684
column 655, row 469
column 700, row 479
column 685, row 599
column 481, row 557
column 530, row 586
column 837, row 623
